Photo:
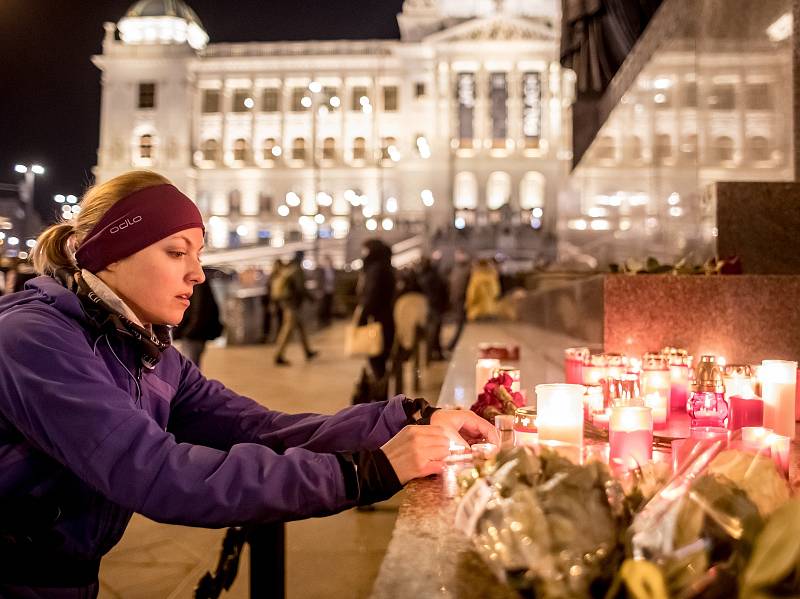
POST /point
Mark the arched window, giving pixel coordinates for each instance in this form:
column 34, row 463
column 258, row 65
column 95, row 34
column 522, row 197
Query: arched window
column 210, row 150
column 298, row 148
column 689, row 147
column 465, row 191
column 146, row 146
column 269, row 149
column 389, row 148
column 359, row 148
column 662, row 148
column 758, row 149
column 498, row 190
column 234, row 202
column 329, row 148
column 722, row 150
column 531, row 191
column 240, row 150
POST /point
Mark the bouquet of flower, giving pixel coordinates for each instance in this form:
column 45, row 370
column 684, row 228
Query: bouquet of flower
column 497, row 398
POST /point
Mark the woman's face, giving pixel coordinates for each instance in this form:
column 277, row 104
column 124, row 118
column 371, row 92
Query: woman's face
column 156, row 282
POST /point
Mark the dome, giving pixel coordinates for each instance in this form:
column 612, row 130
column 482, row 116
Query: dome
column 162, row 22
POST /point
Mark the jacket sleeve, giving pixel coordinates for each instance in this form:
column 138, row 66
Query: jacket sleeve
column 206, row 412
column 71, row 409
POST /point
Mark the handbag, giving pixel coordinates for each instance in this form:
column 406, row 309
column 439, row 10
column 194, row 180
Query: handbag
column 363, row 340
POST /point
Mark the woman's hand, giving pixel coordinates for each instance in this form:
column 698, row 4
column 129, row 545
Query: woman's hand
column 467, row 425
column 417, row 451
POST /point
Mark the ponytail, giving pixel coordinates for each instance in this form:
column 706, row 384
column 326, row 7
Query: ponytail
column 52, row 251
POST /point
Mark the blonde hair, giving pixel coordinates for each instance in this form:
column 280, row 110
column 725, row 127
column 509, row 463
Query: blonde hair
column 56, row 245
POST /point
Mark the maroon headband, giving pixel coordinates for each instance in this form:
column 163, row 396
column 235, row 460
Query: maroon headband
column 135, row 222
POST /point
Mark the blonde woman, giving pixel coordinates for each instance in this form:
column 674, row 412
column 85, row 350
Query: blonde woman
column 100, row 417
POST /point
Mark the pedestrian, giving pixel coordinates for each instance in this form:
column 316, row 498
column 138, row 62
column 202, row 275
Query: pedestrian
column 326, row 283
column 200, row 323
column 291, row 294
column 376, row 298
column 435, row 289
column 100, row 417
column 273, row 318
column 483, row 290
column 458, row 281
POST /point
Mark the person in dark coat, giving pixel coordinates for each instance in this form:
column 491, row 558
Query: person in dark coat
column 376, row 298
column 458, row 281
column 435, row 289
column 200, row 324
column 100, row 417
column 291, row 295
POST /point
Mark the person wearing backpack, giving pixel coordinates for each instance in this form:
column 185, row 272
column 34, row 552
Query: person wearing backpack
column 291, row 293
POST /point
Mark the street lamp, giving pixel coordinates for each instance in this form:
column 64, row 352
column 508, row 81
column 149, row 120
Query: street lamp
column 26, row 190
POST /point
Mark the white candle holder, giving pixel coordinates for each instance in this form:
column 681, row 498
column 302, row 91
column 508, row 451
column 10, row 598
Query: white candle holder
column 560, row 412
column 778, row 387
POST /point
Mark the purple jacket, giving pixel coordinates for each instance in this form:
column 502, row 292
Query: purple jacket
column 80, row 423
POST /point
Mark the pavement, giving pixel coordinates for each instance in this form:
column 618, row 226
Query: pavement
column 336, row 556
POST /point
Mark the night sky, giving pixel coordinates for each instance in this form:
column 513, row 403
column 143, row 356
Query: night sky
column 50, row 90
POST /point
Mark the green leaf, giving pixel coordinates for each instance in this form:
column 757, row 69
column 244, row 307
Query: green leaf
column 776, row 553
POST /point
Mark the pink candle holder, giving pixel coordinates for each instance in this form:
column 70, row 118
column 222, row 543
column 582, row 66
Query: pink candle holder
column 616, row 365
column 765, row 441
column 707, row 405
column 630, row 436
column 778, row 390
column 745, row 411
column 574, row 357
column 679, row 365
column 594, row 369
column 656, row 388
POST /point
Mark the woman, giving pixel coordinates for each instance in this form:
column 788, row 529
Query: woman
column 482, row 291
column 100, row 417
column 376, row 298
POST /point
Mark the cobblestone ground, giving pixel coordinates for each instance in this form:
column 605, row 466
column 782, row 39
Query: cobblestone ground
column 337, row 556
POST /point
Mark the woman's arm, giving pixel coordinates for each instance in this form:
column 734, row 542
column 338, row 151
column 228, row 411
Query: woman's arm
column 206, row 412
column 62, row 398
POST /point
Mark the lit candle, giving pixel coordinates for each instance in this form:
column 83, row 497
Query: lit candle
column 745, row 411
column 764, row 441
column 560, row 412
column 738, row 380
column 615, row 365
column 511, row 371
column 593, row 401
column 779, row 446
column 778, row 386
column 600, row 419
column 656, row 385
column 679, row 362
column 484, row 368
column 630, row 436
column 594, row 369
column 574, row 357
column 707, row 405
column 525, row 432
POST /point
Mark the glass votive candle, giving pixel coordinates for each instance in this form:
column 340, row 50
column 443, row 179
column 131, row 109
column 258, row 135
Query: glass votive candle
column 593, row 401
column 656, row 384
column 504, row 423
column 600, row 419
column 616, row 365
column 738, row 380
column 560, row 412
column 594, row 369
column 484, row 368
column 511, row 371
column 525, row 429
column 745, row 411
column 630, row 436
column 778, row 388
column 574, row 357
column 679, row 365
column 707, row 405
column 765, row 441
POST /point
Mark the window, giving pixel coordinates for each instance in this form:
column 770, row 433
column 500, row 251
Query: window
column 234, row 202
column 690, row 94
column 389, row 149
column 722, row 97
column 269, row 149
column 758, row 149
column 147, row 95
column 390, row 98
column 299, row 149
column 211, row 100
column 465, row 96
column 270, row 100
column 419, row 89
column 689, row 147
column 722, row 150
column 605, row 148
column 298, row 93
column 662, row 148
column 498, row 96
column 265, row 203
column 329, row 149
column 465, row 191
column 498, row 190
column 359, row 148
column 240, row 150
column 357, row 93
column 331, row 98
column 210, row 150
column 531, row 191
column 633, row 149
column 242, row 100
column 758, row 96
column 146, row 146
